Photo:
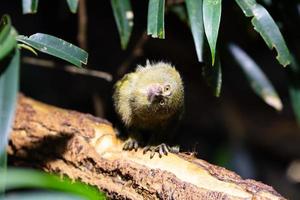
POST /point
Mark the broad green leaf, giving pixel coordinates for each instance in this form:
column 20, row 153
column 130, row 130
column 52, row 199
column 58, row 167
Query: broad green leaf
column 294, row 86
column 56, row 47
column 213, row 76
column 156, row 21
column 42, row 195
column 73, row 5
column 30, row 6
column 124, row 18
column 211, row 19
column 9, row 85
column 267, row 28
column 7, row 37
column 194, row 8
column 257, row 79
column 26, row 178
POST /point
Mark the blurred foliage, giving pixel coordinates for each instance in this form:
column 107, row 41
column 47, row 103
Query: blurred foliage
column 9, row 81
column 17, row 178
column 256, row 78
column 7, row 36
column 294, row 87
column 30, row 6
column 156, row 19
column 10, row 42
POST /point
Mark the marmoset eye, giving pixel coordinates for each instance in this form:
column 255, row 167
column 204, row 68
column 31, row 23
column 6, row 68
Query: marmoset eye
column 167, row 88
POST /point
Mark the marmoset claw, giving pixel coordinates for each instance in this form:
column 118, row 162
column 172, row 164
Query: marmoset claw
column 161, row 149
column 131, row 144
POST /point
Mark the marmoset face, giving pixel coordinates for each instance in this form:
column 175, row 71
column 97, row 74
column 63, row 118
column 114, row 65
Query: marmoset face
column 150, row 96
column 160, row 92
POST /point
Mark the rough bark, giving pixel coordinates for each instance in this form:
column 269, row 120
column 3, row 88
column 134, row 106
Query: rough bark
column 86, row 148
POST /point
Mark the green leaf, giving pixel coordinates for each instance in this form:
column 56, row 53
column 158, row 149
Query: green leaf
column 194, row 8
column 257, row 79
column 156, row 21
column 213, row 76
column 211, row 19
column 124, row 18
column 7, row 36
column 9, row 85
column 73, row 5
column 25, row 178
column 56, row 47
column 30, row 6
column 267, row 28
column 294, row 86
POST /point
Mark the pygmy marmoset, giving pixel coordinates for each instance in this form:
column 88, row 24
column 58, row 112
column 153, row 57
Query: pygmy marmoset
column 150, row 101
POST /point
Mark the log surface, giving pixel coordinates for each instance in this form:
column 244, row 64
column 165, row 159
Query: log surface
column 86, row 148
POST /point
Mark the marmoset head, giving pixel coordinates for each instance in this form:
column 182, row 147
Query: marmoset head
column 158, row 90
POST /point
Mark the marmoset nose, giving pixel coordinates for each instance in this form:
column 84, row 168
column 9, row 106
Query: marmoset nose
column 154, row 92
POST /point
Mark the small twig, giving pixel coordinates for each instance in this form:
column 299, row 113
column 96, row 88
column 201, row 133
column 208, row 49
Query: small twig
column 68, row 68
column 82, row 24
column 136, row 52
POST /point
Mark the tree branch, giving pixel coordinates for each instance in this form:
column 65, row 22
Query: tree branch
column 82, row 24
column 67, row 68
column 85, row 147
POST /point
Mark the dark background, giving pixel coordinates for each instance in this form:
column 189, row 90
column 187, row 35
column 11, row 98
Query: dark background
column 237, row 130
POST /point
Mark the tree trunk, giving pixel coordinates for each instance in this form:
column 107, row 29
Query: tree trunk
column 86, row 148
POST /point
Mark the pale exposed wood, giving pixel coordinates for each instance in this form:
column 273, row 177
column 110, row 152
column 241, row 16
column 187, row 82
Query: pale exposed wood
column 85, row 147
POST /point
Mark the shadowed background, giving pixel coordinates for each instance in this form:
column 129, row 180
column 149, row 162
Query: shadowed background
column 237, row 130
